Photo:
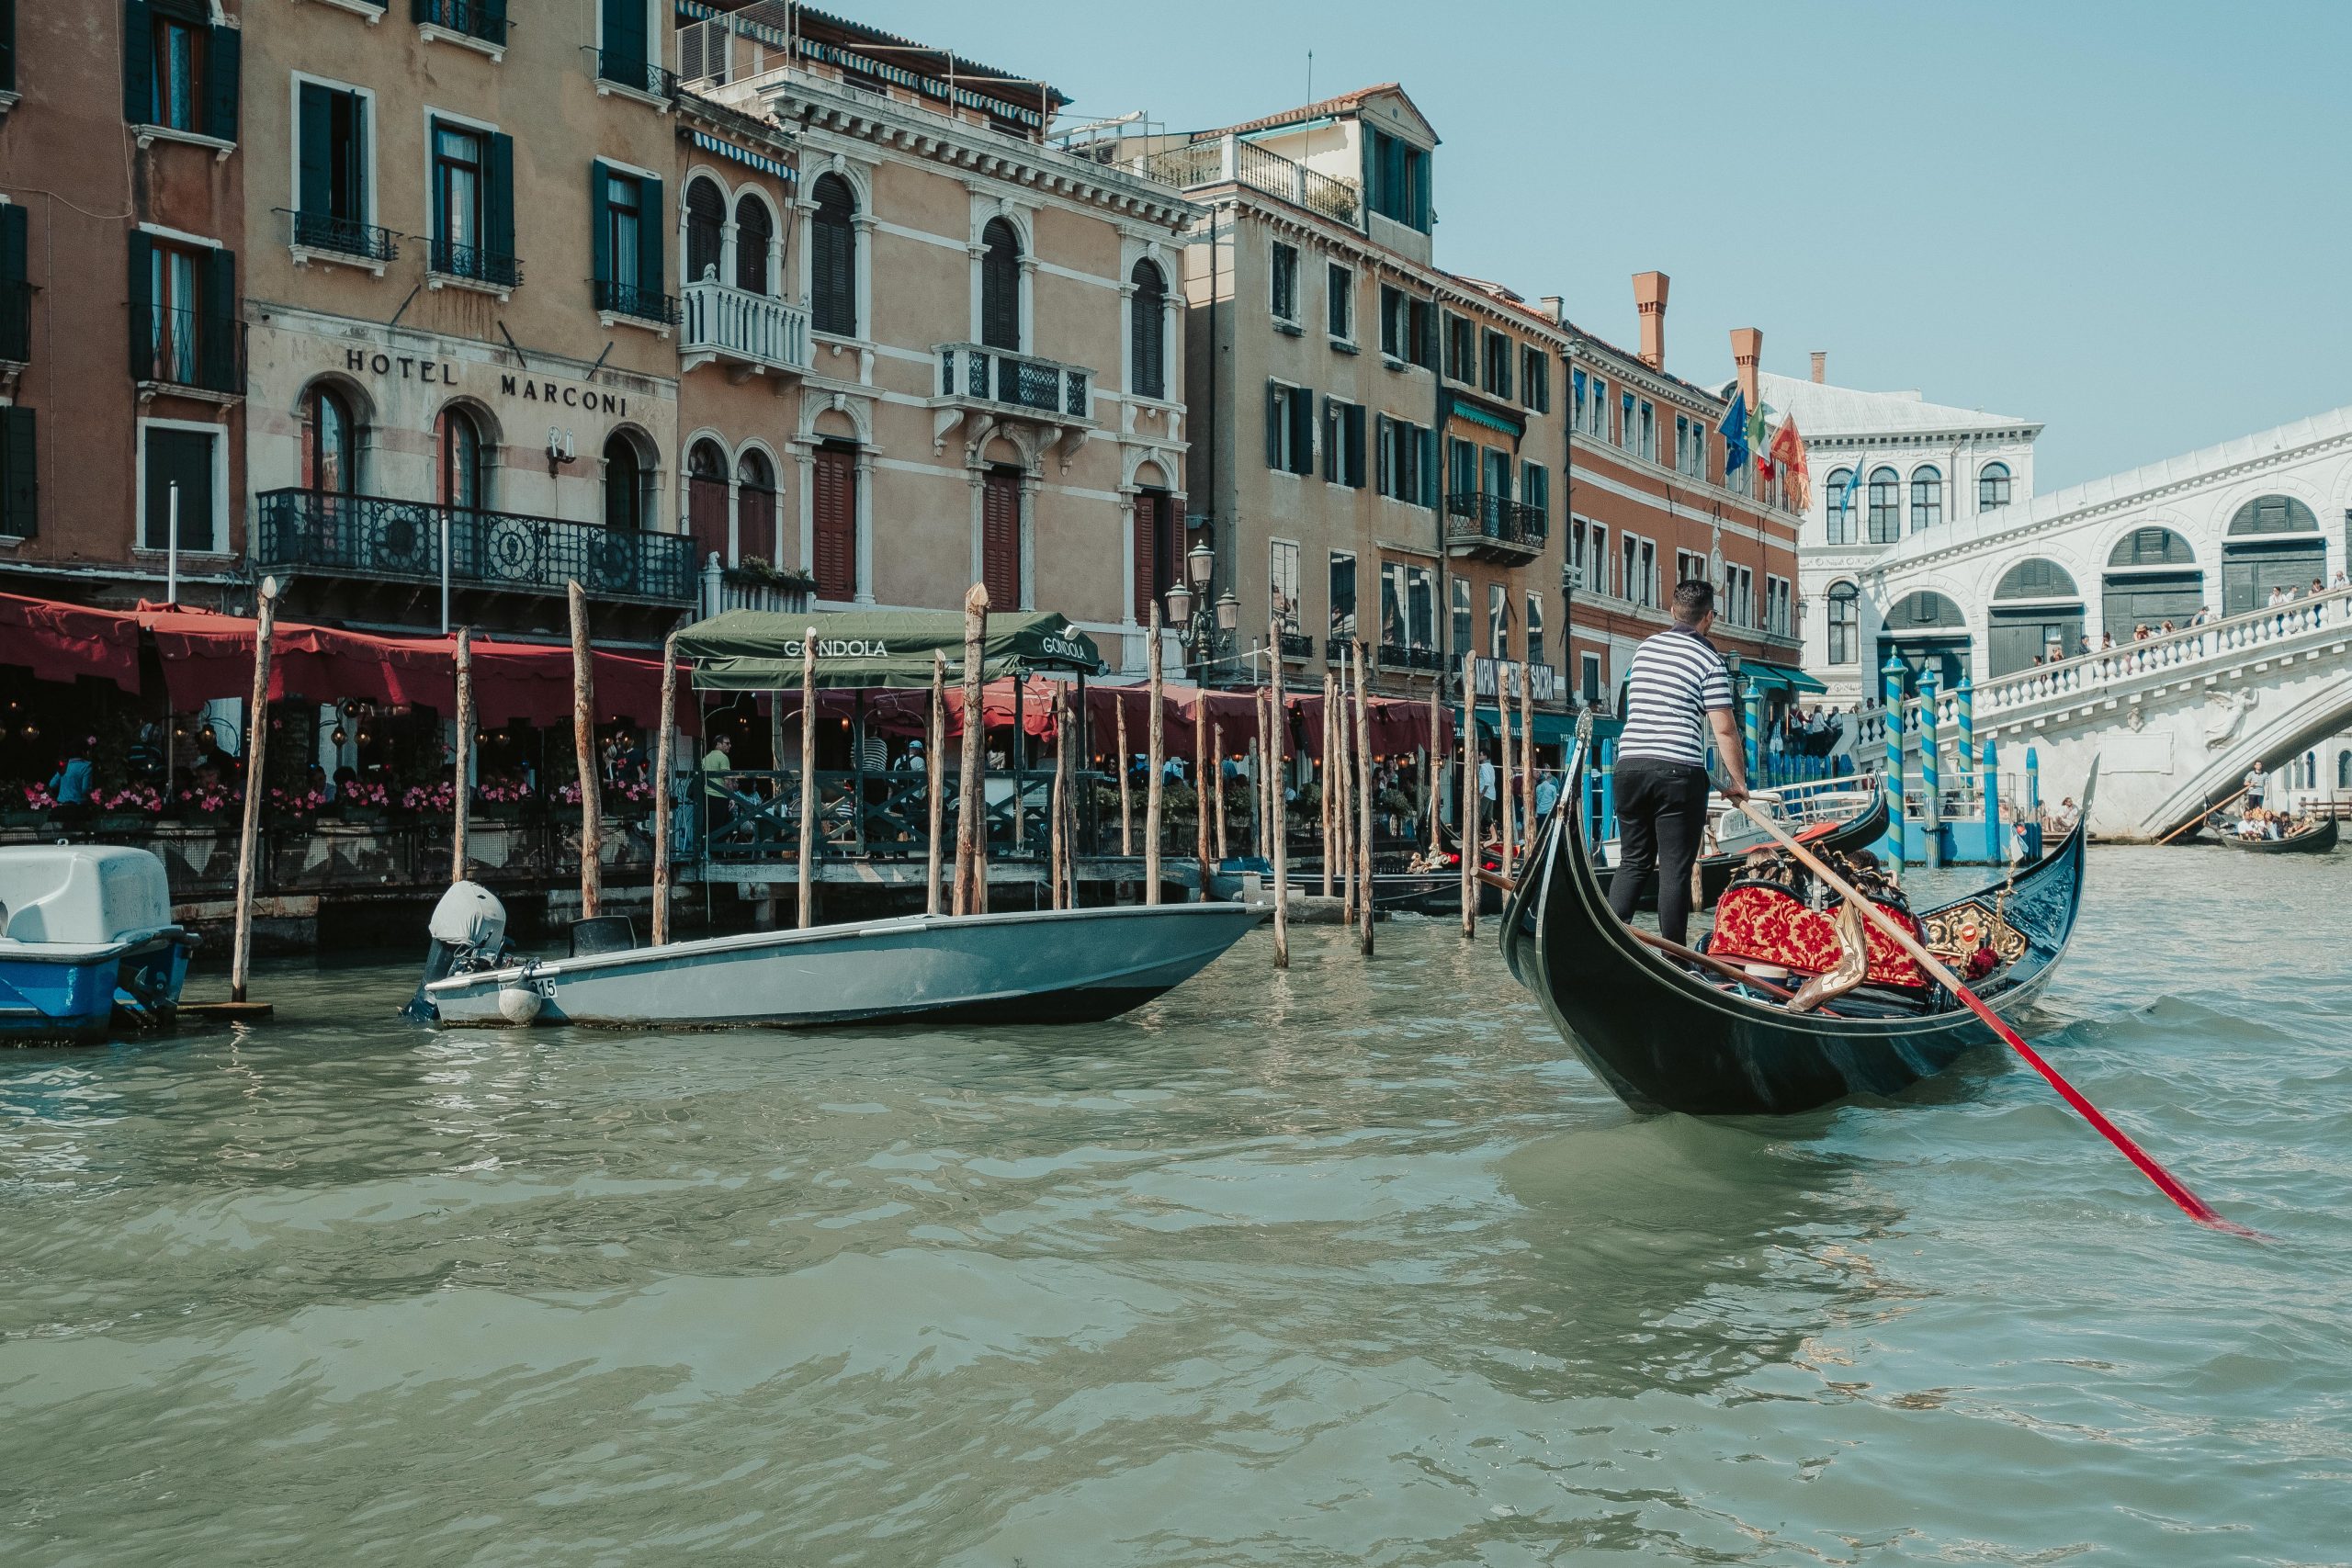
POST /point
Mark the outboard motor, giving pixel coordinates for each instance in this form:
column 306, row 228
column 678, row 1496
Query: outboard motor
column 469, row 931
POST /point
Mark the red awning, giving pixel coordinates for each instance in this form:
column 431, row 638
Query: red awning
column 60, row 642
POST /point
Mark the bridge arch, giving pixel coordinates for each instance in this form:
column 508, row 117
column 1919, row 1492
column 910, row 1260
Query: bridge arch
column 2274, row 541
column 1924, row 630
column 2152, row 577
column 2036, row 614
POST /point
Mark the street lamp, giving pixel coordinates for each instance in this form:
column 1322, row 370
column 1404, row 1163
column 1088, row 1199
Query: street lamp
column 1196, row 622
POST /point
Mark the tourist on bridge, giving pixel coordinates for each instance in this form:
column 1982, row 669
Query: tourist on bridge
column 1678, row 689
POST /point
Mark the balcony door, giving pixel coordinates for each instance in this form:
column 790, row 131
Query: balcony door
column 1001, row 286
column 707, row 501
column 1000, row 538
column 1155, row 570
column 834, row 508
column 460, row 462
column 625, row 483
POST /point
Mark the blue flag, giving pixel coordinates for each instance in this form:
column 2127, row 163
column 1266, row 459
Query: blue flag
column 1735, row 435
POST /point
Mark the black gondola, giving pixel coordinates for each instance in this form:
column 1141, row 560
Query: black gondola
column 1664, row 1039
column 2319, row 838
column 1859, row 831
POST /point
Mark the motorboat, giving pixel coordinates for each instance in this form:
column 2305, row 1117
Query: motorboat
column 89, row 944
column 1024, row 966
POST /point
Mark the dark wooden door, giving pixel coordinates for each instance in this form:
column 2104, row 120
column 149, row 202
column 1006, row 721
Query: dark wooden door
column 834, row 504
column 1001, row 539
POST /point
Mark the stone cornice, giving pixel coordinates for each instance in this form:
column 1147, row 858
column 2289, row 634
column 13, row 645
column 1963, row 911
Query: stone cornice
column 973, row 152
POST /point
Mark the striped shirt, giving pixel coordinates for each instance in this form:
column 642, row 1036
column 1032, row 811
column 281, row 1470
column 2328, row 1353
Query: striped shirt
column 1676, row 680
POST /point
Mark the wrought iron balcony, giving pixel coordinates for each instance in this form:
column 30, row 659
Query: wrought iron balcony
column 183, row 349
column 975, row 379
column 475, row 265
column 716, row 321
column 636, row 74
column 639, row 304
column 365, row 244
column 1399, row 656
column 484, row 19
column 1297, row 645
column 1494, row 527
column 401, row 541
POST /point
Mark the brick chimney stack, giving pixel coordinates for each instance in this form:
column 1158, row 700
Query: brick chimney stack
column 1746, row 348
column 1555, row 309
column 1820, row 367
column 1649, row 302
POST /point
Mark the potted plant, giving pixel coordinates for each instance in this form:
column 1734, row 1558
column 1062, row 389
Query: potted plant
column 430, row 799
column 629, row 800
column 208, row 803
column 502, row 800
column 297, row 805
column 128, row 810
column 38, row 804
column 364, row 800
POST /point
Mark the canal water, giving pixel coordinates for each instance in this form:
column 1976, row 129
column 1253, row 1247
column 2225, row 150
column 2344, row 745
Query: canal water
column 1354, row 1265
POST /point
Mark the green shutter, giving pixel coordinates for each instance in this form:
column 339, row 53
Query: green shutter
column 498, row 200
column 314, row 118
column 143, row 305
column 625, row 33
column 138, row 62
column 1273, row 424
column 20, row 482
column 1354, row 420
column 15, row 301
column 185, row 457
column 651, row 235
column 218, row 333
column 1302, row 432
column 1331, row 440
column 223, row 76
column 356, row 176
column 600, row 219
column 7, row 46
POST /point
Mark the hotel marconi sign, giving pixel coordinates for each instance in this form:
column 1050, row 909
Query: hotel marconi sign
column 428, row 371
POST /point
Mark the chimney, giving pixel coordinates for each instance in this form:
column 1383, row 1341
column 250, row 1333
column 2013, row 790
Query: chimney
column 1555, row 309
column 1746, row 348
column 1820, row 367
column 1649, row 302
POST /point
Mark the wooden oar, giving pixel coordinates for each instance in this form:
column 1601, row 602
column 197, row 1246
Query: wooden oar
column 2196, row 1208
column 2205, row 815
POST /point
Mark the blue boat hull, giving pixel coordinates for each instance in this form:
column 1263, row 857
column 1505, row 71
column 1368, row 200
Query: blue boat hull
column 49, row 999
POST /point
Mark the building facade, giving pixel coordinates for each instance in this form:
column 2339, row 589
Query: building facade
column 1888, row 465
column 992, row 388
column 123, row 130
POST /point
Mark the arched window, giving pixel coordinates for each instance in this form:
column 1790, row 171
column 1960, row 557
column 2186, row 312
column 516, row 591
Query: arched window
column 1844, row 508
column 2151, row 546
column 2036, row 579
column 755, row 514
column 2308, row 772
column 707, row 500
column 1925, row 611
column 2037, row 613
column 1992, row 486
column 1927, row 497
column 1148, row 334
column 706, row 229
column 2344, row 770
column 1845, row 624
column 330, row 442
column 1001, row 286
column 2273, row 514
column 625, row 482
column 832, row 258
column 462, row 478
column 755, row 237
column 1886, row 519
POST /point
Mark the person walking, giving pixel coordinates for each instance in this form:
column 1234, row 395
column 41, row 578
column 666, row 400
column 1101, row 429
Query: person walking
column 1677, row 689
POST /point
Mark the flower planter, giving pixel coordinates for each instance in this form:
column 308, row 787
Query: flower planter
column 23, row 818
column 369, row 815
column 125, row 822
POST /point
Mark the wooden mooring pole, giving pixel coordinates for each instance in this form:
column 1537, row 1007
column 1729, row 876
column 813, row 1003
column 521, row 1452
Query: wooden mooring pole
column 583, row 751
column 1363, row 802
column 1282, row 812
column 1216, row 782
column 461, row 783
column 806, row 883
column 664, row 755
column 1331, row 778
column 1527, row 754
column 936, row 762
column 1127, row 800
column 241, row 949
column 971, row 824
column 1201, row 782
column 1469, row 794
column 1157, row 741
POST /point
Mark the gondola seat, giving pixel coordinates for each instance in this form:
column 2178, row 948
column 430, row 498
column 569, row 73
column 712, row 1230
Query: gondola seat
column 1762, row 922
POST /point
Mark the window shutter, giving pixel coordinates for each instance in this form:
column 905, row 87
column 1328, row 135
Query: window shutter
column 600, row 242
column 494, row 20
column 1302, row 432
column 19, row 487
column 12, row 243
column 217, row 334
column 1001, row 286
column 1330, row 441
column 651, row 236
column 1353, row 416
column 834, row 518
column 9, row 47
column 1273, row 424
column 356, row 171
column 1001, row 539
column 317, row 170
column 1146, row 554
column 1380, row 463
column 498, row 199
column 624, row 30
column 1428, row 467
column 138, row 62
column 832, row 260
column 223, row 72
column 142, row 306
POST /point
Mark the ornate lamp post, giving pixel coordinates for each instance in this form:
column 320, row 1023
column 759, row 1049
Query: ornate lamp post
column 1198, row 625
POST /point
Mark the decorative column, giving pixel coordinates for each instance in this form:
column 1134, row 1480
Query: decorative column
column 1890, row 687
column 1930, row 779
column 1964, row 713
column 1751, row 727
column 1992, row 794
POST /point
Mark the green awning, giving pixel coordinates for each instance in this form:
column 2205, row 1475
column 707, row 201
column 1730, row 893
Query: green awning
column 1478, row 415
column 759, row 650
column 1778, row 677
column 1550, row 728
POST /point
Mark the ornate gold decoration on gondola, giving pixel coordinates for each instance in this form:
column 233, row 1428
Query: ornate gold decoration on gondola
column 1958, row 933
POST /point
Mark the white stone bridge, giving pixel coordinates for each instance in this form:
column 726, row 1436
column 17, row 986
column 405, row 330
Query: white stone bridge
column 2174, row 721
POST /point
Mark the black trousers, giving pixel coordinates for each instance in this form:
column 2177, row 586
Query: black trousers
column 1661, row 818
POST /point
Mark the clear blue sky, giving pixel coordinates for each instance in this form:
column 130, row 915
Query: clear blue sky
column 2127, row 218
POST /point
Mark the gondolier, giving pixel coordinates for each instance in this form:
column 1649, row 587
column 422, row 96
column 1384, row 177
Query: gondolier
column 1678, row 688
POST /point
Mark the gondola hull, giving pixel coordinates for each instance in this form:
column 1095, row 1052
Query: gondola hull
column 1664, row 1040
column 2318, row 839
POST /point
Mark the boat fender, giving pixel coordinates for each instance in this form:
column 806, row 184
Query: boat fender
column 519, row 1003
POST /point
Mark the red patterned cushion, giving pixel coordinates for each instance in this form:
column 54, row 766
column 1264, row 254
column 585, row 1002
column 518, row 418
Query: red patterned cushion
column 1769, row 925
